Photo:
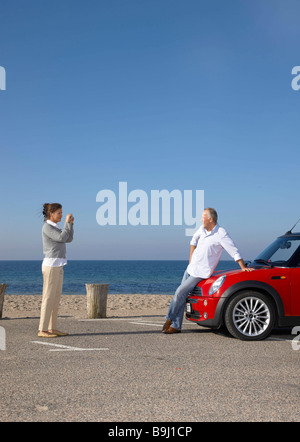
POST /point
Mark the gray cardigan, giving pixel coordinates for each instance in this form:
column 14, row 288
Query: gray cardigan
column 54, row 240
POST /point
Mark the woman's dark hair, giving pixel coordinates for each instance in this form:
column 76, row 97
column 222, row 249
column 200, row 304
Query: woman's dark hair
column 50, row 208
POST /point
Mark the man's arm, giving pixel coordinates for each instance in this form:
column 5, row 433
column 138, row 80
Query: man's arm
column 231, row 248
column 191, row 252
column 194, row 242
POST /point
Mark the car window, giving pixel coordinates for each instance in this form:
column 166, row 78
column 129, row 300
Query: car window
column 280, row 251
column 285, row 251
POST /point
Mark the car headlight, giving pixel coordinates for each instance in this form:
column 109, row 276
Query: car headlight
column 216, row 285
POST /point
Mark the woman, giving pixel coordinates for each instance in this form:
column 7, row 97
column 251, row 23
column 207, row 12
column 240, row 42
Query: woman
column 54, row 247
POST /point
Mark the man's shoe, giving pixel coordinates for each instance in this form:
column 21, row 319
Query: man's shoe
column 171, row 330
column 167, row 324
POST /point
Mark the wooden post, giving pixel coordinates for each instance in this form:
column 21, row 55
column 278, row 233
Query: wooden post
column 3, row 287
column 96, row 300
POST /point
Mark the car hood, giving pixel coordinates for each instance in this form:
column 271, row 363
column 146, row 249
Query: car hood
column 235, row 271
column 234, row 276
column 218, row 273
column 239, row 273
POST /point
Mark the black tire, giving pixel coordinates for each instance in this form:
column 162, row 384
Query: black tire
column 250, row 316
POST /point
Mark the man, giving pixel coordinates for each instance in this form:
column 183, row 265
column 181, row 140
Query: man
column 207, row 245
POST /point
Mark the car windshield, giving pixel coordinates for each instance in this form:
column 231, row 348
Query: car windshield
column 279, row 252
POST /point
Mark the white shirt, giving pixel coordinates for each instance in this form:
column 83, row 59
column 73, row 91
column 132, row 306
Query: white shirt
column 54, row 262
column 209, row 247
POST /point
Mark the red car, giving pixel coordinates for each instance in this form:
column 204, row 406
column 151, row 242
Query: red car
column 251, row 304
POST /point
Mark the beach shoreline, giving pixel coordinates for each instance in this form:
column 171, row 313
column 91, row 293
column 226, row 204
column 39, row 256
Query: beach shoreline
column 25, row 306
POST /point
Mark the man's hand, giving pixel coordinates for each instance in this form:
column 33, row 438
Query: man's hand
column 243, row 266
column 247, row 269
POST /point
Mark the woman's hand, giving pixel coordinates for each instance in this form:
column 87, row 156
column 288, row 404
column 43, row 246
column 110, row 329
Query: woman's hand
column 69, row 218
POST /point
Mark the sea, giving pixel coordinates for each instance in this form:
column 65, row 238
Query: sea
column 123, row 277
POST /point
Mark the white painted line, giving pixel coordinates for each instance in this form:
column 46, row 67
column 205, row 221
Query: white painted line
column 158, row 324
column 147, row 323
column 67, row 347
column 105, row 319
column 278, row 339
column 79, row 349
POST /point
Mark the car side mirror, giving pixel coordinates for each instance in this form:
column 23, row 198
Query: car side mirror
column 285, row 245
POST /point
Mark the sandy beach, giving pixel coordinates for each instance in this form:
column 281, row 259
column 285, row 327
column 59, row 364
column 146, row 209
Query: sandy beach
column 25, row 306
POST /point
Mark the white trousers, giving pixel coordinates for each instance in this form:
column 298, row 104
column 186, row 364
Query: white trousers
column 52, row 289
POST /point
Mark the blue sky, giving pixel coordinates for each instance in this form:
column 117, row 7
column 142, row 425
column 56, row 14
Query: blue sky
column 161, row 94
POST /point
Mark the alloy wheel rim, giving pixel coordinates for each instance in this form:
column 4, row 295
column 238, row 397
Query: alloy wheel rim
column 251, row 316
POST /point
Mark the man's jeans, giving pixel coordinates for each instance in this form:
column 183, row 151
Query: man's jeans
column 176, row 308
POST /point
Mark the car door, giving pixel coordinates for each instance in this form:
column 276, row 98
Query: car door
column 279, row 279
column 295, row 291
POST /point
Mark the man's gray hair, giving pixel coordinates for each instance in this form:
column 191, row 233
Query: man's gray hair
column 213, row 214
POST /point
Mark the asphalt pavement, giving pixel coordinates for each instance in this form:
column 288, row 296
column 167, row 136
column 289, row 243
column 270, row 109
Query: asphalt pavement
column 126, row 370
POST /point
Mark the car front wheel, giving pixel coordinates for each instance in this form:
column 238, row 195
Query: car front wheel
column 249, row 316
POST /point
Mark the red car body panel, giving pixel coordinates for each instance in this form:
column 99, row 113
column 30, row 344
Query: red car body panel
column 280, row 283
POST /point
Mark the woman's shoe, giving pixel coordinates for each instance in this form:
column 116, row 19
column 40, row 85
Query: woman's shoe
column 58, row 333
column 43, row 334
